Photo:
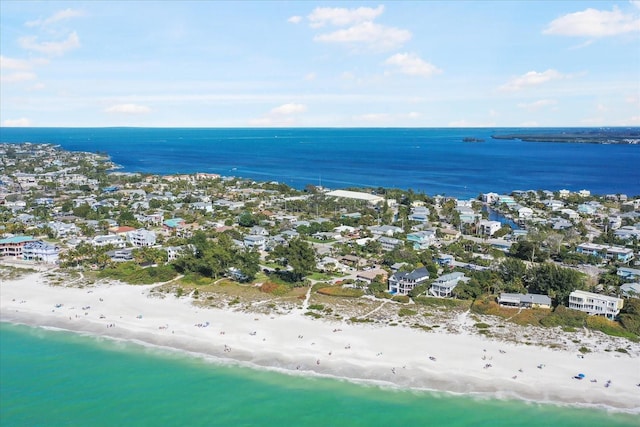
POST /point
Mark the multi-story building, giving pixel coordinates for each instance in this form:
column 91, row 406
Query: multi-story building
column 402, row 282
column 38, row 250
column 595, row 304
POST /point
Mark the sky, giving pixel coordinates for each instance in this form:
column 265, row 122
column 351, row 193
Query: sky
column 320, row 64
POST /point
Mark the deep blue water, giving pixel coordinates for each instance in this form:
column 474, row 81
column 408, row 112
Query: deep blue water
column 433, row 161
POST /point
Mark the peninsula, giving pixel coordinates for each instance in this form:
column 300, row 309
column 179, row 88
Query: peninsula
column 599, row 136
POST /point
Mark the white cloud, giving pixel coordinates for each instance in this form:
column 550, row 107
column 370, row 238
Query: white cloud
column 413, row 65
column 531, row 124
column 287, row 109
column 341, row 17
column 58, row 16
column 21, row 122
column 310, row 76
column 373, row 36
column 17, row 77
column 633, row 121
column 532, row 78
column 50, row 48
column 594, row 23
column 636, row 3
column 128, row 109
column 295, row 19
column 536, row 105
column 414, row 115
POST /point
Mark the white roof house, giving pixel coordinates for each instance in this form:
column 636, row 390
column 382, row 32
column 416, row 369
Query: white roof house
column 595, row 304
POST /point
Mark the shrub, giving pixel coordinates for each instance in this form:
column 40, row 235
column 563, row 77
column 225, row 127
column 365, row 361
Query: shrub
column 339, row 291
column 407, row 312
column 481, row 325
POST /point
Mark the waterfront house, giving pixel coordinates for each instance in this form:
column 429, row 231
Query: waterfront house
column 121, row 255
column 595, row 304
column 369, row 276
column 13, row 246
column 488, row 228
column 40, row 251
column 467, row 215
column 628, row 232
column 443, row 286
column 524, row 300
column 401, row 283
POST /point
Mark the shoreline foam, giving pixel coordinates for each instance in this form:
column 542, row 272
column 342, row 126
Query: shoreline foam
column 394, row 357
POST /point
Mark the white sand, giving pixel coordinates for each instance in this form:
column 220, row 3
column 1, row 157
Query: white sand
column 387, row 355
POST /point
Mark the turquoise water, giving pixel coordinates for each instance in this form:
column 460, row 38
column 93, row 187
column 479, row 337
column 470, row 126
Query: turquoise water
column 54, row 378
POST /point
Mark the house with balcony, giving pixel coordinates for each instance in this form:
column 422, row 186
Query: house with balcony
column 422, row 239
column 400, row 283
column 609, row 252
column 488, row 228
column 258, row 243
column 419, row 214
column 389, row 243
column 13, row 246
column 40, row 251
column 443, row 286
column 141, row 238
column 108, row 239
column 595, row 304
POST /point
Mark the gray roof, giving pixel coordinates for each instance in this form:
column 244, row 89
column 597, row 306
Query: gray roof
column 528, row 298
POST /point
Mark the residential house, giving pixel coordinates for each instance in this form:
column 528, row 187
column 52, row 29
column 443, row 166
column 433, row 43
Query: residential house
column 488, row 228
column 402, row 282
column 385, row 230
column 422, row 239
column 109, row 239
column 40, row 251
column 630, row 290
column 14, row 246
column 121, row 255
column 255, row 242
column 570, row 213
column 614, row 253
column 419, row 214
column 450, row 234
column 445, row 259
column 553, row 204
column 595, row 304
column 467, row 215
column 389, row 243
column 524, row 300
column 443, row 286
column 141, row 238
column 628, row 232
column 627, row 273
column 63, row 229
column 369, row 276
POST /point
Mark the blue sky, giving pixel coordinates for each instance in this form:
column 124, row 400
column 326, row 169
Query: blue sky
column 320, row 64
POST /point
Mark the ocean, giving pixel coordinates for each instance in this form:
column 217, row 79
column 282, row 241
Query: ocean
column 57, row 378
column 432, row 161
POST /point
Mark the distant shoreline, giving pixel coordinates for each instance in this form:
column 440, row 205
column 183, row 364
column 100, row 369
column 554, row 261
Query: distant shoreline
column 610, row 136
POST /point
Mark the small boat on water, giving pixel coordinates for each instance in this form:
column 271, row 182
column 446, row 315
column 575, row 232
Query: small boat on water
column 470, row 139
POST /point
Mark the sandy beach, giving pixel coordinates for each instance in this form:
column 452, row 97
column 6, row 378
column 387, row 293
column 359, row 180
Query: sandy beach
column 393, row 356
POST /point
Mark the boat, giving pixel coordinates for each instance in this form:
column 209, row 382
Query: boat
column 470, row 139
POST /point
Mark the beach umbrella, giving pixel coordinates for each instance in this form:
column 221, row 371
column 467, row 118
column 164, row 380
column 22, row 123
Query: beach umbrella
column 580, row 375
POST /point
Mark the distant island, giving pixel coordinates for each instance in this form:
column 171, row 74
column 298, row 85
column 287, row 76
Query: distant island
column 597, row 136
